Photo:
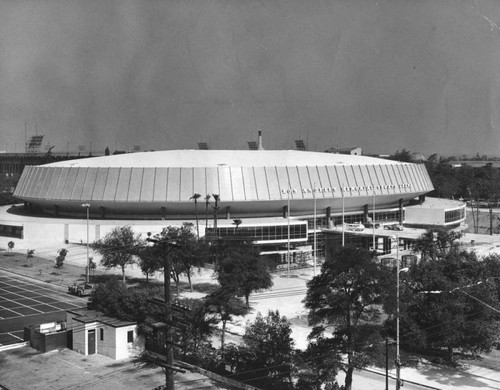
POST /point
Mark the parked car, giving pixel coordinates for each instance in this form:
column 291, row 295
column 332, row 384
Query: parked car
column 372, row 225
column 355, row 227
column 395, row 226
column 82, row 289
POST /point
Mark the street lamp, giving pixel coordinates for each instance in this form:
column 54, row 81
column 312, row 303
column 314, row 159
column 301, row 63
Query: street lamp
column 87, row 271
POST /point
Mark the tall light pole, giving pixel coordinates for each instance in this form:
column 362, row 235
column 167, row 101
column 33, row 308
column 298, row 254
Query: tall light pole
column 288, row 229
column 314, row 231
column 87, row 267
column 373, row 220
column 343, row 215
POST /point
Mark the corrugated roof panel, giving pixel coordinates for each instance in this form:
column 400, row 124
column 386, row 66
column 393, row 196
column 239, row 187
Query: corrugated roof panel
column 226, row 191
column 79, row 183
column 160, row 190
column 54, row 183
column 350, row 182
column 199, row 182
column 70, row 183
column 422, row 176
column 212, row 181
column 90, row 182
column 401, row 175
column 237, row 183
column 261, row 183
column 249, row 183
column 26, row 179
column 373, row 179
column 186, row 184
column 295, row 184
column 111, row 184
column 45, row 176
column 18, row 191
column 174, row 185
column 134, row 190
column 383, row 180
column 305, row 183
column 336, row 178
column 317, row 183
column 35, row 184
column 123, row 184
column 392, row 180
column 273, row 183
column 360, row 181
column 148, row 185
column 100, row 184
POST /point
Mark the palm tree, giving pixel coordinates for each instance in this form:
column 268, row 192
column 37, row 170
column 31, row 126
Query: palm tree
column 216, row 209
column 236, row 222
column 195, row 197
column 207, row 202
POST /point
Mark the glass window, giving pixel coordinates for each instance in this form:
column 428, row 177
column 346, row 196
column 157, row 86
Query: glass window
column 130, row 336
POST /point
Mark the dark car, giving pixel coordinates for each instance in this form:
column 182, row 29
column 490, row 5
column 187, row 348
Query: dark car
column 372, row 225
column 395, row 226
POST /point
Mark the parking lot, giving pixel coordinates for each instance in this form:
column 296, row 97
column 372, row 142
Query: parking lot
column 26, row 302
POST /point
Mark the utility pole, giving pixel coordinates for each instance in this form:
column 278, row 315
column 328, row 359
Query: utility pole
column 169, row 348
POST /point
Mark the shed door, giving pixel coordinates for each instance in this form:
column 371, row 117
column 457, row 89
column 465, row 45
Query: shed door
column 91, row 342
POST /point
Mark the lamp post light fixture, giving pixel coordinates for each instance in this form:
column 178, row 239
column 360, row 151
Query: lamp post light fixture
column 87, row 267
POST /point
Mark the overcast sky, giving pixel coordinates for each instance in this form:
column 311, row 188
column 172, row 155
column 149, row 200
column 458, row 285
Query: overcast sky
column 383, row 75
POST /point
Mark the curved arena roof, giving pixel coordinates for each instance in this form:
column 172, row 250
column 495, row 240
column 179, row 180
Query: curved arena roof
column 257, row 182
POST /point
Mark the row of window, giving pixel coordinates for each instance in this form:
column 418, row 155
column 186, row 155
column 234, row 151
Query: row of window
column 264, row 233
column 454, row 215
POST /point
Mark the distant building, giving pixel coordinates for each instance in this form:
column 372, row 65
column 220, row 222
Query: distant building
column 352, row 151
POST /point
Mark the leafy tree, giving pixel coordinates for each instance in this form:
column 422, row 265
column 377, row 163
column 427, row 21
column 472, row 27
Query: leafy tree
column 317, row 367
column 437, row 243
column 10, row 245
column 118, row 248
column 115, row 299
column 193, row 329
column 446, row 304
column 187, row 255
column 346, row 296
column 61, row 257
column 29, row 256
column 223, row 306
column 265, row 358
column 242, row 269
column 403, row 155
column 150, row 260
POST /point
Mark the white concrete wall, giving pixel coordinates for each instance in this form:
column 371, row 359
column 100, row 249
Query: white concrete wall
column 424, row 216
column 123, row 348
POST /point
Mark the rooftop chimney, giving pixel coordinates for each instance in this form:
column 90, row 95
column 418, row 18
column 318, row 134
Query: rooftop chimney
column 260, row 147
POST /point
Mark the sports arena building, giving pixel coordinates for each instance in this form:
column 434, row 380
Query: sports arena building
column 284, row 200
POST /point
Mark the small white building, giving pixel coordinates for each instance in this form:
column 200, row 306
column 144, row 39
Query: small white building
column 94, row 332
